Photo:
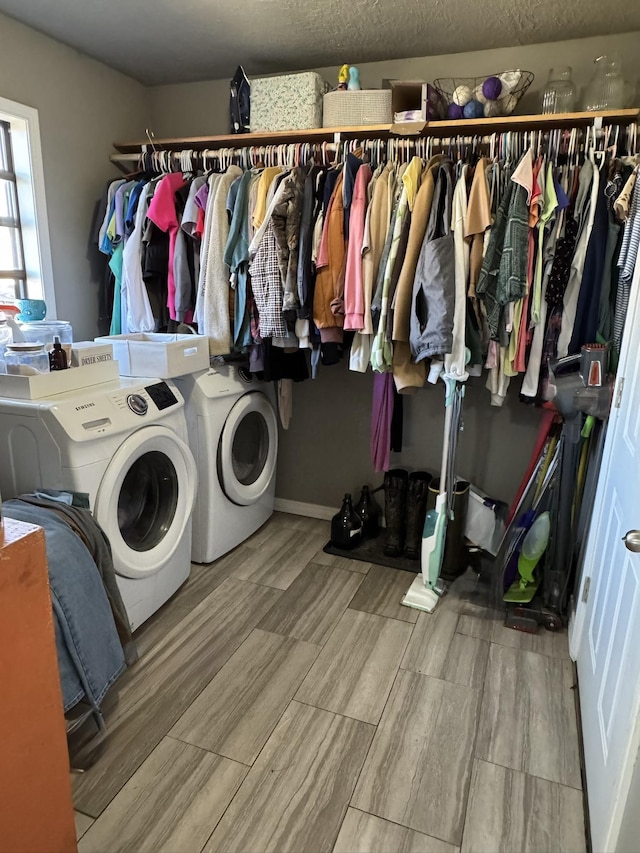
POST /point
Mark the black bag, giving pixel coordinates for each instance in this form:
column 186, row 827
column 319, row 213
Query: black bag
column 239, row 102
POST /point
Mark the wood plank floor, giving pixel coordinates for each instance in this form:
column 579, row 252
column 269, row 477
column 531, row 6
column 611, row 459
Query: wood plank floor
column 284, row 701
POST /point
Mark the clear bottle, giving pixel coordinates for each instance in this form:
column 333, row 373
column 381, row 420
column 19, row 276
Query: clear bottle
column 605, row 90
column 6, row 337
column 559, row 95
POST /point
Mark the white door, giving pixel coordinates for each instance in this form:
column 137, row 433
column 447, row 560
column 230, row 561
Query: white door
column 608, row 623
column 248, row 449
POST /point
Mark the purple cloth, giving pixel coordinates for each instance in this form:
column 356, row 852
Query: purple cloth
column 381, row 415
column 202, row 195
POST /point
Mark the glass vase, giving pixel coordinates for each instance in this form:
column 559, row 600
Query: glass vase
column 606, row 88
column 559, row 95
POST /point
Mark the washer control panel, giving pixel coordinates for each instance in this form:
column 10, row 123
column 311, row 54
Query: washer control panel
column 100, row 412
column 137, row 404
column 161, row 395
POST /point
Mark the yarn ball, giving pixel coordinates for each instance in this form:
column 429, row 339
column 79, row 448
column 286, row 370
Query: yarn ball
column 478, row 95
column 491, row 88
column 510, row 80
column 493, row 109
column 455, row 111
column 474, row 109
column 462, row 95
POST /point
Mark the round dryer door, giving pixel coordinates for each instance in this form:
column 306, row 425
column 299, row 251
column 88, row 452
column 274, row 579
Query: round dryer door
column 145, row 499
column 248, row 449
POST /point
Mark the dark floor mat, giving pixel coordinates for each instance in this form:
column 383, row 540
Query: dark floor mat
column 371, row 551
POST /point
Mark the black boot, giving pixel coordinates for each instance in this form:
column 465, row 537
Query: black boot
column 416, row 510
column 395, row 507
column 455, row 560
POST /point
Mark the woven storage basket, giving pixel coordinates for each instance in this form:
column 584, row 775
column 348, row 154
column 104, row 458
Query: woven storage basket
column 350, row 109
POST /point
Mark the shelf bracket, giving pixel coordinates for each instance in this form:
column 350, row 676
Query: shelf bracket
column 336, row 138
column 597, row 123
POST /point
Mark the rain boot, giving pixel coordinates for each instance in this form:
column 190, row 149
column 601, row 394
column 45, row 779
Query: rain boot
column 395, row 509
column 418, row 490
column 455, row 559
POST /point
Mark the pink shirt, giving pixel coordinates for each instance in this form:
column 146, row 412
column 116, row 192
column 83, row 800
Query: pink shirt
column 353, row 287
column 162, row 212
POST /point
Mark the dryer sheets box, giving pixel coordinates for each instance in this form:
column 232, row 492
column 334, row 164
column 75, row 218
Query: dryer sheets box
column 162, row 356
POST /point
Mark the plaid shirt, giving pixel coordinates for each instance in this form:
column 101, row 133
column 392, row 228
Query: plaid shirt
column 266, row 281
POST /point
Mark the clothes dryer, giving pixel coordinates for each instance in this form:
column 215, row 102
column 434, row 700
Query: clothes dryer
column 233, row 433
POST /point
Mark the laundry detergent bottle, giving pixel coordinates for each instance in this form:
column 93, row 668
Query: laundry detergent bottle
column 346, row 527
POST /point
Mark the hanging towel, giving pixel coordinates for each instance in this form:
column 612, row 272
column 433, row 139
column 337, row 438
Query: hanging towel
column 381, row 417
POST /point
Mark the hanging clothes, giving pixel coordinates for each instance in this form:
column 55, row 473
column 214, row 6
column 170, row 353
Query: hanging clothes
column 212, row 305
column 162, row 212
column 434, row 286
column 328, row 304
column 408, row 267
column 409, row 375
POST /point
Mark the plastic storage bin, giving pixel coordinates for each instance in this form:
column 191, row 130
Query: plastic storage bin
column 287, row 102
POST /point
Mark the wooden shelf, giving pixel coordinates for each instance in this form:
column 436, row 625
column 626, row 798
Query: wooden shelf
column 461, row 127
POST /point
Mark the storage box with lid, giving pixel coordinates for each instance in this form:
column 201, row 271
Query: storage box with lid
column 287, row 102
column 353, row 109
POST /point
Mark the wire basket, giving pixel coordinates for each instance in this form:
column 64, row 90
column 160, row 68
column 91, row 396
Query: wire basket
column 491, row 96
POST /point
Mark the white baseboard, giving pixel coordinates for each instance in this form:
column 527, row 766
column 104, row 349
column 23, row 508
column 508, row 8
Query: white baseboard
column 326, row 513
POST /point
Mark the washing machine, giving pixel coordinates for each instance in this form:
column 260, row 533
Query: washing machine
column 233, row 432
column 125, row 444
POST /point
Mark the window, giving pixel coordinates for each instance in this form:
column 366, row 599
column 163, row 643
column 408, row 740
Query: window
column 25, row 258
column 13, row 277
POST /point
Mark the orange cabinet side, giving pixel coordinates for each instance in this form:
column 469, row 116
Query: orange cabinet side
column 36, row 811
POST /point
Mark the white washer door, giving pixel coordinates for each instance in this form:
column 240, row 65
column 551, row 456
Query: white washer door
column 248, row 449
column 145, row 500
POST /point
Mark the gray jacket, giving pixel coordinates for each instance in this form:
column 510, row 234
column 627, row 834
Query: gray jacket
column 433, row 298
column 286, row 218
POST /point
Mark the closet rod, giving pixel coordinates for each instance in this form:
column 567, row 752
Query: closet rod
column 392, row 148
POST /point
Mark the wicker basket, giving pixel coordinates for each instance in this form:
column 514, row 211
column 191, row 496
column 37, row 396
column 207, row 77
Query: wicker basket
column 351, row 109
column 514, row 85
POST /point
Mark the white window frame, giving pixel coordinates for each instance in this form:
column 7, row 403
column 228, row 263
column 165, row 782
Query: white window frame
column 32, row 202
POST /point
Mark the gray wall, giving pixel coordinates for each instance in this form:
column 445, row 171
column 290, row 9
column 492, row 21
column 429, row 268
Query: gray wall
column 83, row 107
column 325, row 451
column 193, row 109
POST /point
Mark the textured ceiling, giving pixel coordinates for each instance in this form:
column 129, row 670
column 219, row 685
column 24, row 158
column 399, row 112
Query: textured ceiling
column 173, row 41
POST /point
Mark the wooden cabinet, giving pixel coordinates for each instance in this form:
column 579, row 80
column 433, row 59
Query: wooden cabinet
column 36, row 812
